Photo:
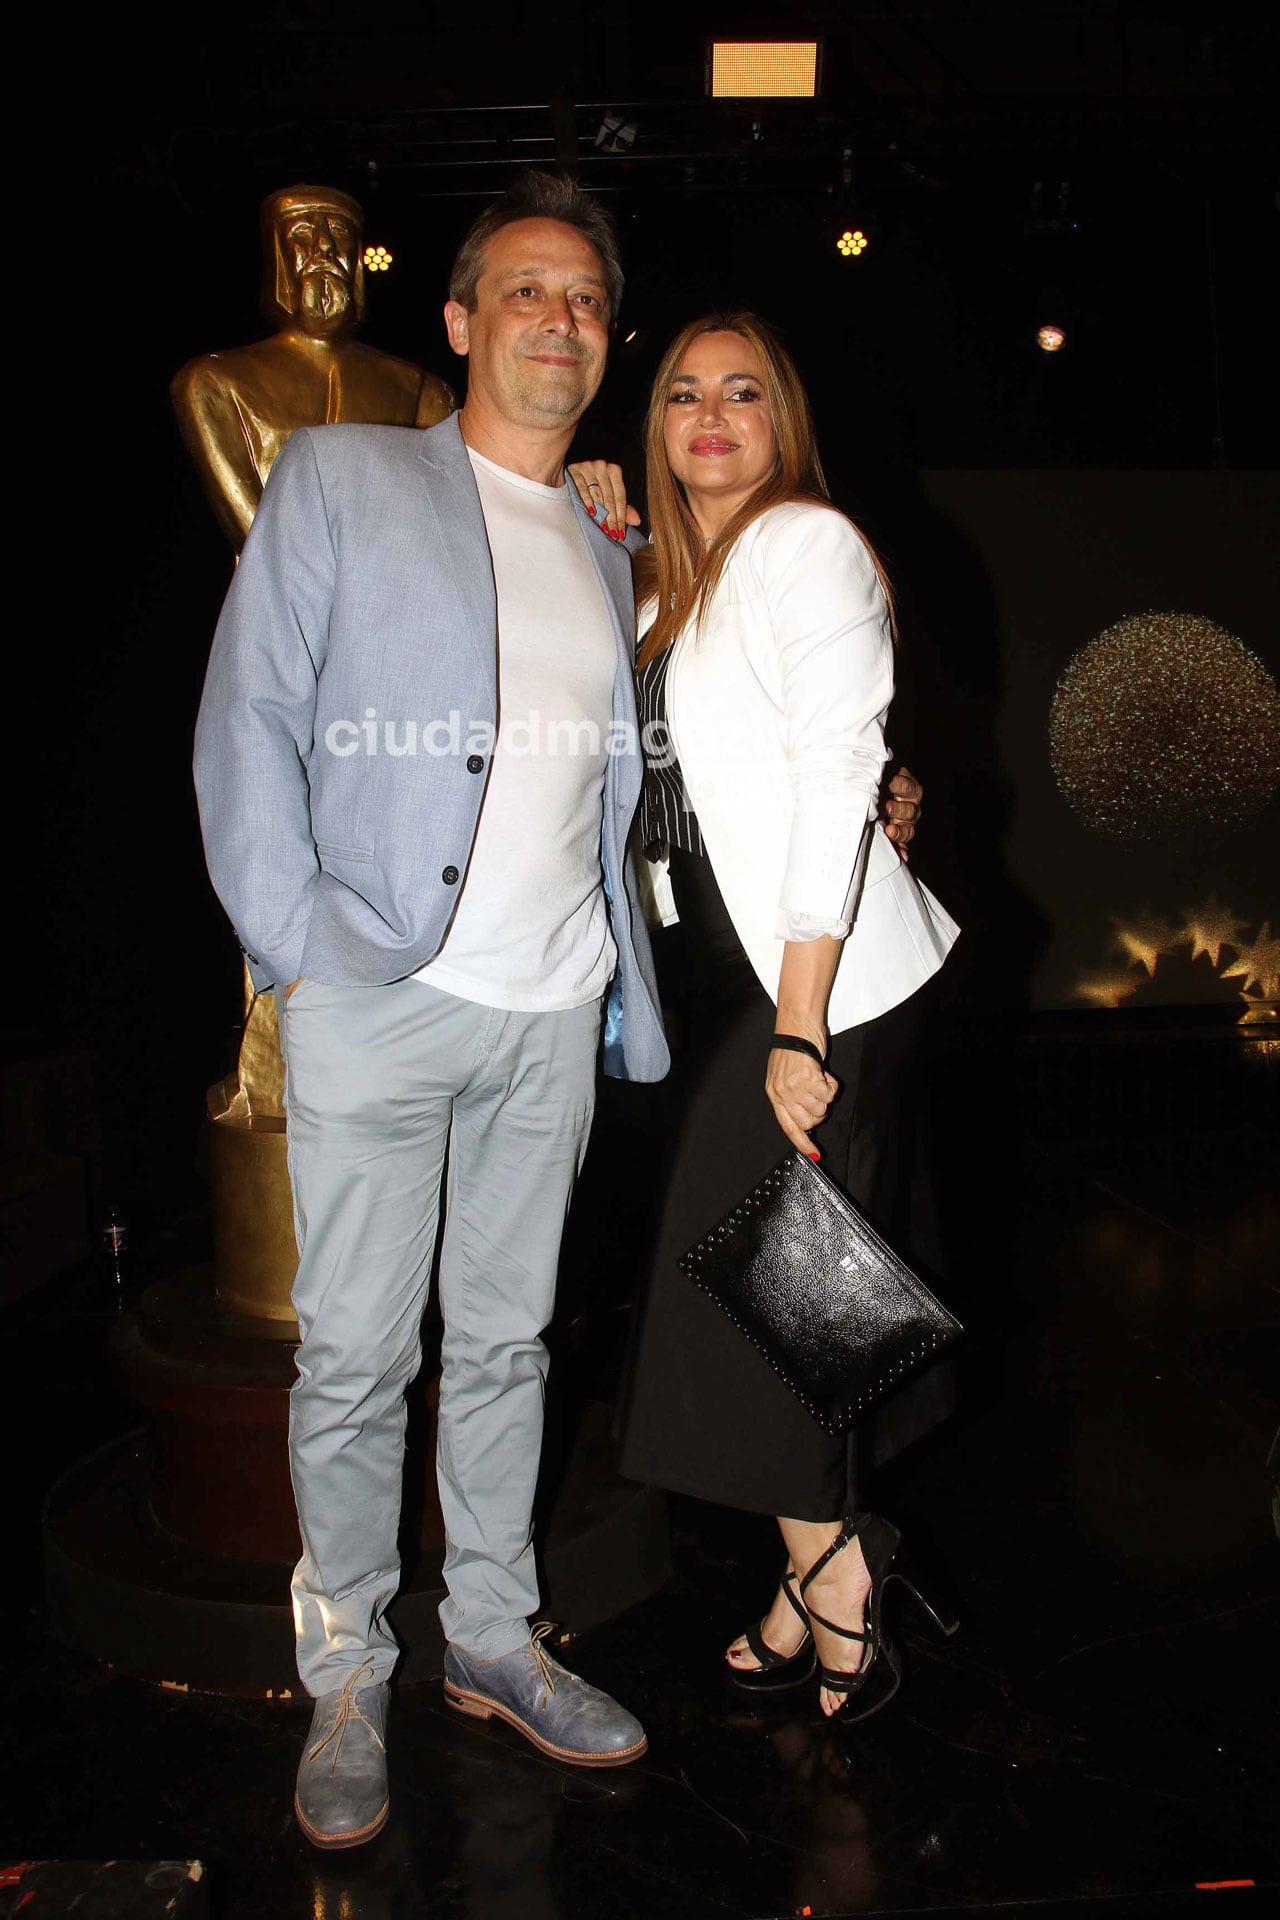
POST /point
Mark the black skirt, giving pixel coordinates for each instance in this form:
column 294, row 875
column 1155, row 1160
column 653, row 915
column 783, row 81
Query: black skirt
column 703, row 1412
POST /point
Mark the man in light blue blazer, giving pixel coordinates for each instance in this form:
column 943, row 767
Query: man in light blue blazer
column 417, row 763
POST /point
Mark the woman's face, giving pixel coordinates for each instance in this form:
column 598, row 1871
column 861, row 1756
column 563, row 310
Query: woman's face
column 718, row 428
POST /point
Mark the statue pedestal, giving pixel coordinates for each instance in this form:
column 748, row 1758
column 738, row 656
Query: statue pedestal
column 216, row 1397
column 217, row 1406
column 123, row 1588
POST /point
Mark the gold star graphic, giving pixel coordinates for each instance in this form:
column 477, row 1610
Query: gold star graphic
column 1145, row 939
column 1258, row 964
column 1210, row 928
column 1106, row 989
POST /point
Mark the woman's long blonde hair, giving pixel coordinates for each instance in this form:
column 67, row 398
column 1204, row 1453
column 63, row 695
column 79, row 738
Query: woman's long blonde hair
column 677, row 568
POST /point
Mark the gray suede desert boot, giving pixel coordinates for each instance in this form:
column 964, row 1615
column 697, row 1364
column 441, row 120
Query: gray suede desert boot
column 533, row 1693
column 341, row 1799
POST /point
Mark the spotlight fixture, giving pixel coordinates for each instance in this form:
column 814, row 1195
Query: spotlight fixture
column 616, row 134
column 762, row 69
column 377, row 259
column 1051, row 339
column 852, row 243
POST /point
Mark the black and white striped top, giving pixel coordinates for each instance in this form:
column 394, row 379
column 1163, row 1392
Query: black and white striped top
column 666, row 817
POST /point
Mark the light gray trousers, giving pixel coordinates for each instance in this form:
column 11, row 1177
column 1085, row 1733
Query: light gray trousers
column 382, row 1085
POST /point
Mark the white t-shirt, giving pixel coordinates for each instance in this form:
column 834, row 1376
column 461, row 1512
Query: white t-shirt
column 531, row 930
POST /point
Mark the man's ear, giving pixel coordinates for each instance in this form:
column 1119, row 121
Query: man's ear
column 456, row 319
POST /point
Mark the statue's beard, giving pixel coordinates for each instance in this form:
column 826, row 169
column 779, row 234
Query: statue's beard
column 324, row 297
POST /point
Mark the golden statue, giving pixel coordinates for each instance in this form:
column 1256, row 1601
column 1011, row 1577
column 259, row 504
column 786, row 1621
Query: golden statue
column 236, row 410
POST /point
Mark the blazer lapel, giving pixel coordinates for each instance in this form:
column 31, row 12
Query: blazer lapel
column 464, row 552
column 614, row 583
column 626, row 765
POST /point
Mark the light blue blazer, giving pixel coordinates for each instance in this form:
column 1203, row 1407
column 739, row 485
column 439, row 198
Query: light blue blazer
column 366, row 584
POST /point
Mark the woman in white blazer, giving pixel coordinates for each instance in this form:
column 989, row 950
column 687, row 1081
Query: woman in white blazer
column 765, row 673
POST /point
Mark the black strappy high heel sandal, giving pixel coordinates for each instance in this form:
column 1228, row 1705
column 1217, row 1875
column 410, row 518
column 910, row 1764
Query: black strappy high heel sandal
column 777, row 1671
column 873, row 1684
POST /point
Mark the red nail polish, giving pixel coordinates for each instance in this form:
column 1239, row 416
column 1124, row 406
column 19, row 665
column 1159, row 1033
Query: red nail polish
column 815, row 1156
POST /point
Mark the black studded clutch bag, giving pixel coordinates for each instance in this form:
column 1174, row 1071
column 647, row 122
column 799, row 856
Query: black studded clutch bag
column 830, row 1306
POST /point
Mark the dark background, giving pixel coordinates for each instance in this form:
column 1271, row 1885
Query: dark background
column 1105, row 166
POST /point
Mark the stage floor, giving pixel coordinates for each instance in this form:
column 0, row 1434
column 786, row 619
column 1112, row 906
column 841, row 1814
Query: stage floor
column 1099, row 1738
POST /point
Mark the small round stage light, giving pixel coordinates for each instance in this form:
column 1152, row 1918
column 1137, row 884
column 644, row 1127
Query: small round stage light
column 377, row 259
column 1051, row 339
column 852, row 242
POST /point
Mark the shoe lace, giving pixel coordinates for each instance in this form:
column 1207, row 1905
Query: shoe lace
column 544, row 1664
column 348, row 1708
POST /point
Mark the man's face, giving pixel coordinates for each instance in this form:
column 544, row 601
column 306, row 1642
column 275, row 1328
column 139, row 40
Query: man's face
column 539, row 335
column 320, row 246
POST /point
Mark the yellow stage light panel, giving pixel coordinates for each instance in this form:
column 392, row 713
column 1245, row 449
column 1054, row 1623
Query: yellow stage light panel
column 764, row 69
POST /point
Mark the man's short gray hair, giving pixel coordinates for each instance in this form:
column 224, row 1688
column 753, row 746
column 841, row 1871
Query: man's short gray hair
column 539, row 196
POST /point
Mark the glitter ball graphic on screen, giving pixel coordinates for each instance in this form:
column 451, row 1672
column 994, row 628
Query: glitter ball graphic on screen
column 852, row 242
column 1164, row 725
column 377, row 259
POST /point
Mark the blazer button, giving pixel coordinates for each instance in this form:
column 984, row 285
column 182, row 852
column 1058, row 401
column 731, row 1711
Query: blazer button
column 450, row 876
column 474, row 763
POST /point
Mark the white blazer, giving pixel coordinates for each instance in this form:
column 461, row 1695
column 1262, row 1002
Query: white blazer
column 776, row 711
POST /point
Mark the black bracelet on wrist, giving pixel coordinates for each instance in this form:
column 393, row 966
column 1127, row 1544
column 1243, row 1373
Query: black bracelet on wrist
column 792, row 1043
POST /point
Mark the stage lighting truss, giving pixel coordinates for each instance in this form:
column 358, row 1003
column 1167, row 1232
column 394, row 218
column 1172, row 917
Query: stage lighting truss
column 377, row 259
column 763, row 69
column 852, row 243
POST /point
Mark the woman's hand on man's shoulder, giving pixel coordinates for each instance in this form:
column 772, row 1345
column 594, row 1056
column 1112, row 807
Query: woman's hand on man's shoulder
column 603, row 493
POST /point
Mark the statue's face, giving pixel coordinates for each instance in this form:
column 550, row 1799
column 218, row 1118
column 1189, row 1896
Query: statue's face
column 320, row 247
